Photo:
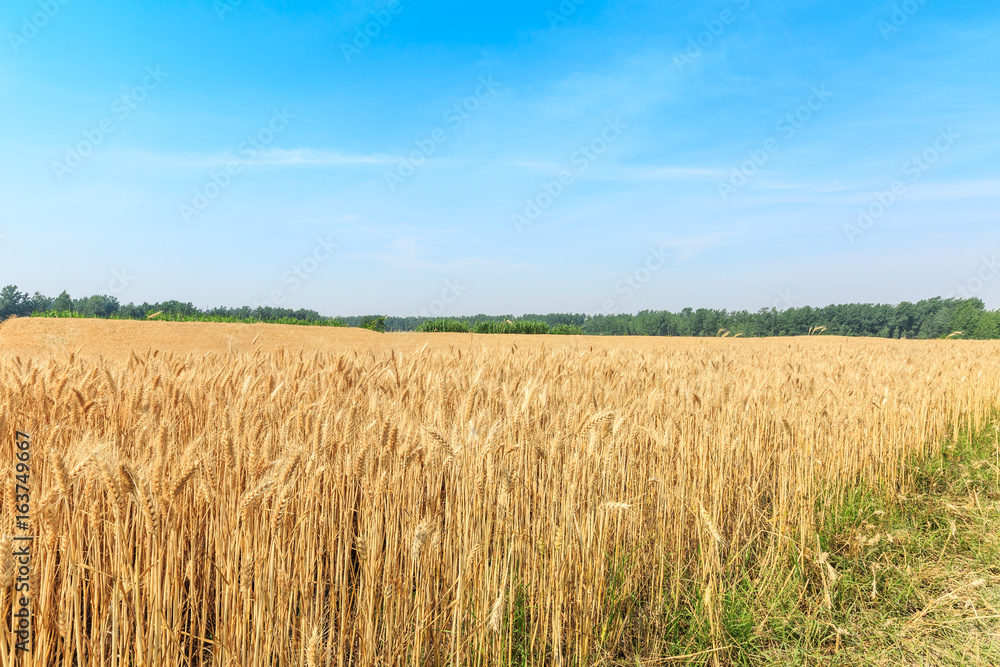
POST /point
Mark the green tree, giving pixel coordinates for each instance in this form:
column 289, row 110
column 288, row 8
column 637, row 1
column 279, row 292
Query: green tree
column 62, row 303
column 374, row 323
column 13, row 302
column 965, row 318
column 39, row 303
column 99, row 306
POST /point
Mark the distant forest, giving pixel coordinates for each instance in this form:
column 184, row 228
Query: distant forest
column 930, row 318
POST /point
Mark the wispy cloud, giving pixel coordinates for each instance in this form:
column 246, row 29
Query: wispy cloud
column 623, row 172
column 957, row 190
column 271, row 157
column 407, row 253
column 690, row 248
column 859, row 193
column 320, row 158
column 655, row 173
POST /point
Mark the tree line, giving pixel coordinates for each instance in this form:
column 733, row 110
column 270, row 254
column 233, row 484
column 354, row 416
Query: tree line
column 929, row 318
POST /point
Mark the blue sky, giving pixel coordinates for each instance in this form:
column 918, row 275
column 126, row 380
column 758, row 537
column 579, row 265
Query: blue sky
column 509, row 158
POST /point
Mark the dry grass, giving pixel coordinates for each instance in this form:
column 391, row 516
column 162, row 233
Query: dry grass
column 547, row 503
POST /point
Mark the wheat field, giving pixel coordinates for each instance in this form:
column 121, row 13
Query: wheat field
column 247, row 498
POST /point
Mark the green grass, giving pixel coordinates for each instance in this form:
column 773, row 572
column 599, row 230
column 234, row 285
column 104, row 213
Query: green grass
column 918, row 574
column 917, row 582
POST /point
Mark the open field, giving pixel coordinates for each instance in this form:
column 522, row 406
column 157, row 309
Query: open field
column 215, row 494
column 116, row 339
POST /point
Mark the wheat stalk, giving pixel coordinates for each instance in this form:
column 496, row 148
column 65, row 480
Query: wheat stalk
column 438, row 490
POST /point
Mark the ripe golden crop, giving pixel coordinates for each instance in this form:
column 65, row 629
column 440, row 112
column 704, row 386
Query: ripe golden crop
column 439, row 498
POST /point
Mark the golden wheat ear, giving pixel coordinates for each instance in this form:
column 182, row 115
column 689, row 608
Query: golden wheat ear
column 394, row 502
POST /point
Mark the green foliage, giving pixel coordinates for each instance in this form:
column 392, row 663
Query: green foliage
column 62, row 302
column 59, row 314
column 894, row 556
column 97, row 306
column 168, row 317
column 19, row 304
column 511, row 327
column 12, row 302
column 373, row 323
column 493, row 326
column 443, row 325
column 930, row 318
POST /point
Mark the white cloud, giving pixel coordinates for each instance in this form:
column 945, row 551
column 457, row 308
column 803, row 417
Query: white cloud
column 274, row 157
